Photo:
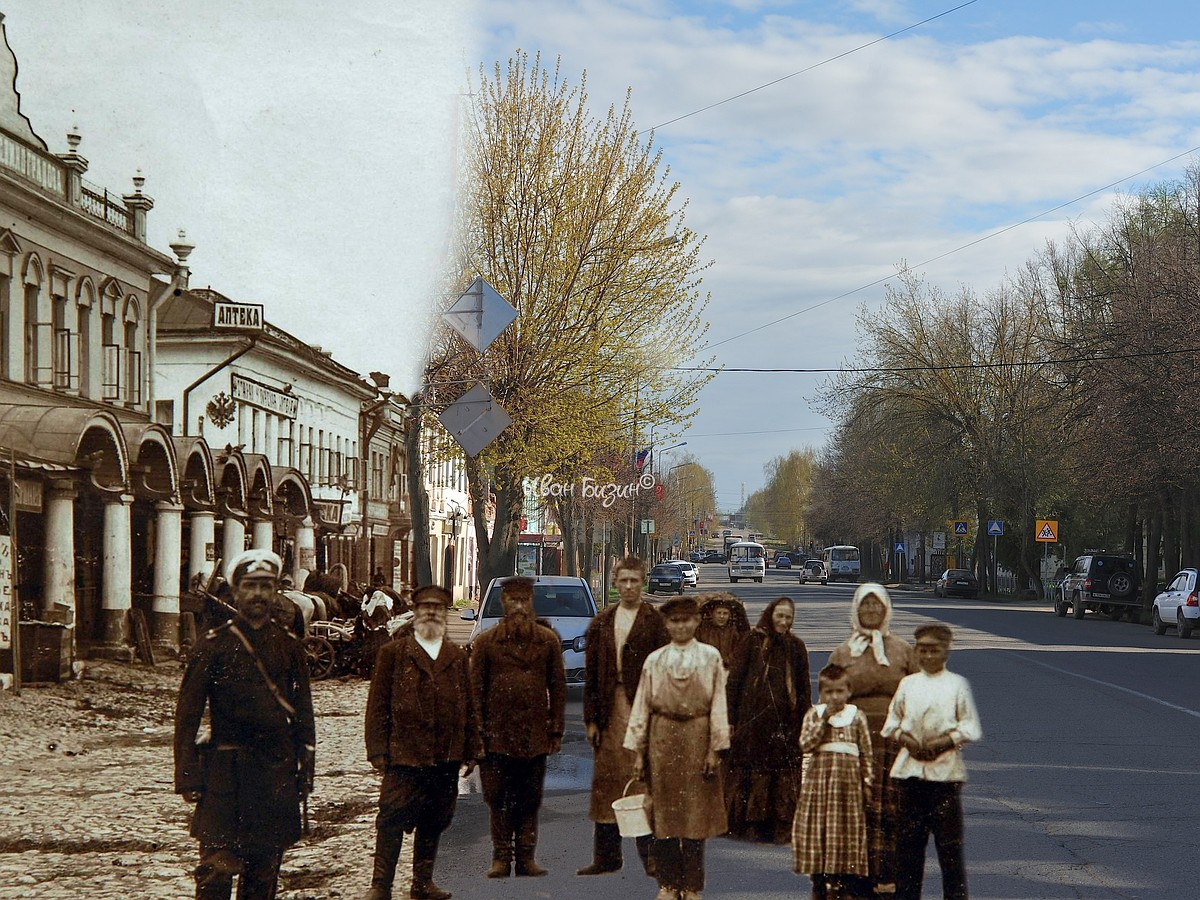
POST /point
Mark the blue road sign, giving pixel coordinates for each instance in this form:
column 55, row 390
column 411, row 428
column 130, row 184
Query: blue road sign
column 960, row 527
column 995, row 528
column 900, row 547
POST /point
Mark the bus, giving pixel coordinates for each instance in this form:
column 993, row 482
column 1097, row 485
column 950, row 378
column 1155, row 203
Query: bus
column 841, row 561
column 747, row 559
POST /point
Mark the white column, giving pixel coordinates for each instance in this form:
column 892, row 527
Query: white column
column 164, row 609
column 271, row 444
column 262, row 534
column 203, row 538
column 59, row 574
column 116, row 572
column 304, row 540
column 233, row 539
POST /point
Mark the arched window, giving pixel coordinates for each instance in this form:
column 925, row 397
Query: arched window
column 110, row 343
column 133, row 352
column 85, row 300
column 38, row 322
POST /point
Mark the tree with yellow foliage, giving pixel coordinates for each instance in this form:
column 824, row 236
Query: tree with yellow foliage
column 573, row 219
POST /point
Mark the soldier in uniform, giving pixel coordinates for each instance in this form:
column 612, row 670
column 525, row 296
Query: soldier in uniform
column 618, row 642
column 520, row 692
column 248, row 780
column 420, row 730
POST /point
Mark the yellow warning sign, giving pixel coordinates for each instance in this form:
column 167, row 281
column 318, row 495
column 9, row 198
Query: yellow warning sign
column 1047, row 530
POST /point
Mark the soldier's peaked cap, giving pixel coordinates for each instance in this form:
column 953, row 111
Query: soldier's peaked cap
column 256, row 562
column 432, row 593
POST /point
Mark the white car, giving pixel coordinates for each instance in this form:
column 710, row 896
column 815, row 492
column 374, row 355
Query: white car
column 691, row 573
column 1178, row 604
column 564, row 601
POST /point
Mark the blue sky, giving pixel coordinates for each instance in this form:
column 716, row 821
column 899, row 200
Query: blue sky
column 307, row 152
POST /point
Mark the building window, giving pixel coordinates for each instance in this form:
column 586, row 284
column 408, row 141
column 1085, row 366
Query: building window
column 286, row 430
column 38, row 369
column 110, row 366
column 133, row 367
column 83, row 343
column 5, row 318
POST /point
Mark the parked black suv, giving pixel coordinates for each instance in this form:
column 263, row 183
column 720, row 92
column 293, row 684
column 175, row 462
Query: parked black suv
column 1100, row 582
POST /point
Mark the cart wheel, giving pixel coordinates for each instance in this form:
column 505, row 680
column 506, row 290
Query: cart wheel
column 321, row 657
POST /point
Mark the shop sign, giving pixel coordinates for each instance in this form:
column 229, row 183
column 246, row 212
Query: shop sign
column 229, row 316
column 308, row 558
column 210, row 552
column 247, row 391
column 6, row 607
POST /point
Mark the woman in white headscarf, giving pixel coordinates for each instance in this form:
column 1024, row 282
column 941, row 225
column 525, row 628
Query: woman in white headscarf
column 876, row 661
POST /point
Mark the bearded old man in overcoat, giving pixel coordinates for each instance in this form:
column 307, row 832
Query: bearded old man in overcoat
column 520, row 693
column 420, row 730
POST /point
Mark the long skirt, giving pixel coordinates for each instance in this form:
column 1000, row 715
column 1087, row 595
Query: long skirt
column 686, row 803
column 829, row 834
column 885, row 814
column 613, row 764
column 761, row 803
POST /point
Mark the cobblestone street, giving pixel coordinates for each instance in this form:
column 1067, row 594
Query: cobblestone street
column 86, row 801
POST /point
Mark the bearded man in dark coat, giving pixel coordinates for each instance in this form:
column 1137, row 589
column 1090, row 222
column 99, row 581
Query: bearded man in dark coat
column 420, row 730
column 520, row 692
column 618, row 642
column 252, row 675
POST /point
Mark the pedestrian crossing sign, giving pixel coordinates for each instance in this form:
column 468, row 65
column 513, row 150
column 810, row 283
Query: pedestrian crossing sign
column 960, row 527
column 1047, row 530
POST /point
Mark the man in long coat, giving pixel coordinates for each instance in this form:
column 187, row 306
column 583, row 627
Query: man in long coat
column 618, row 642
column 252, row 675
column 420, row 730
column 520, row 693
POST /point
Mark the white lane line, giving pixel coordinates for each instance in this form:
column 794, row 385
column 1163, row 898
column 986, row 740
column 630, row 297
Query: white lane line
column 1109, row 684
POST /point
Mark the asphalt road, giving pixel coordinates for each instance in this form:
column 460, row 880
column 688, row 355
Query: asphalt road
column 1084, row 786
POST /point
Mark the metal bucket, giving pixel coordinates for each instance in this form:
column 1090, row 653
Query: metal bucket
column 633, row 813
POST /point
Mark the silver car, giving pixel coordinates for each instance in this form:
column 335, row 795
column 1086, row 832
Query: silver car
column 691, row 572
column 564, row 601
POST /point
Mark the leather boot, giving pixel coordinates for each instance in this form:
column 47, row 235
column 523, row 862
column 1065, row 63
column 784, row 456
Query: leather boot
column 383, row 864
column 527, row 846
column 424, row 855
column 606, row 850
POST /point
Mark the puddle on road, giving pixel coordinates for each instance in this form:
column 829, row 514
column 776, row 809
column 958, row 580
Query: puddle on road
column 565, row 771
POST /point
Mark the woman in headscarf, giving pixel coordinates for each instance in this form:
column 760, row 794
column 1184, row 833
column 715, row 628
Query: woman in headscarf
column 876, row 660
column 768, row 695
column 723, row 623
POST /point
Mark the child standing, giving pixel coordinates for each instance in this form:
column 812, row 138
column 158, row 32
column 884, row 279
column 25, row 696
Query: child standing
column 932, row 715
column 829, row 834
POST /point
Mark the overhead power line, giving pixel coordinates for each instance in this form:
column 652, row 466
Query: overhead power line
column 842, row 55
column 867, row 370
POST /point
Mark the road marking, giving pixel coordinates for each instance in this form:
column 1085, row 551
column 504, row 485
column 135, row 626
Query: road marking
column 1115, row 687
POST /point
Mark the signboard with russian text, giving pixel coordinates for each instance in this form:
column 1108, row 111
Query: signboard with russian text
column 6, row 606
column 246, row 391
column 229, row 316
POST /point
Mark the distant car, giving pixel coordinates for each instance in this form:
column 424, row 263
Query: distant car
column 696, row 557
column 714, row 556
column 1109, row 583
column 783, row 562
column 562, row 600
column 813, row 570
column 691, row 574
column 957, row 583
column 665, row 577
column 1178, row 604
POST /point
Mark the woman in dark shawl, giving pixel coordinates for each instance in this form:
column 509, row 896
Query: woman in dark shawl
column 723, row 623
column 768, row 694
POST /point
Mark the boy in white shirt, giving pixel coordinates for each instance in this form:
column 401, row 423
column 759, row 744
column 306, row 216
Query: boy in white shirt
column 932, row 715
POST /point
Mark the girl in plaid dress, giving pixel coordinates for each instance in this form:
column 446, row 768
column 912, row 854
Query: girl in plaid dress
column 829, row 833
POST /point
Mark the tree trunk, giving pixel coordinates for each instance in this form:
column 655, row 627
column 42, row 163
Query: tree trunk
column 417, row 497
column 1154, row 529
column 497, row 551
column 1170, row 530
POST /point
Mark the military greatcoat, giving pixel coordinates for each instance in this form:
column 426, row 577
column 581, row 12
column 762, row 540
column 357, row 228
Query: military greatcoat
column 250, row 793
